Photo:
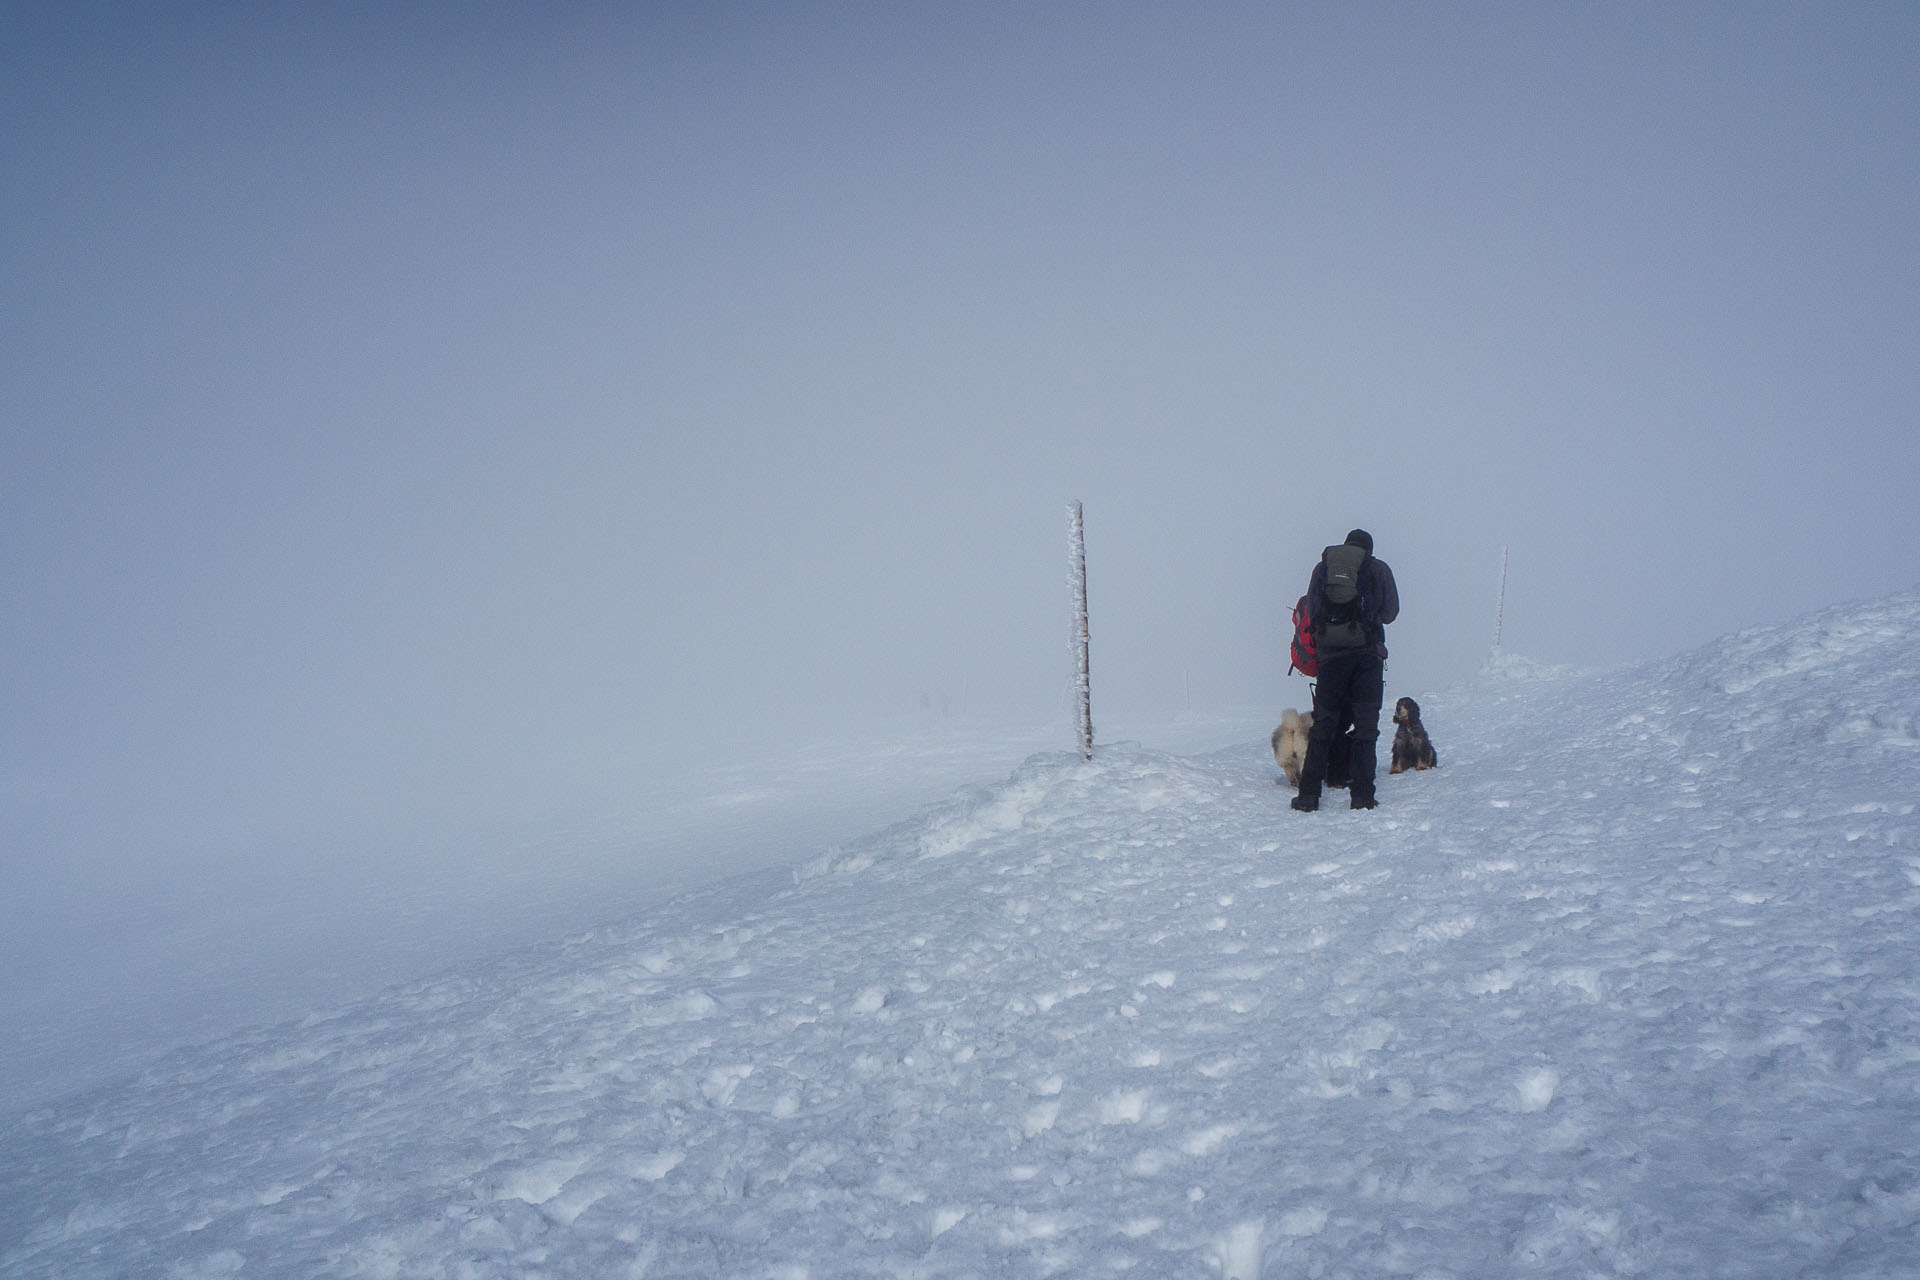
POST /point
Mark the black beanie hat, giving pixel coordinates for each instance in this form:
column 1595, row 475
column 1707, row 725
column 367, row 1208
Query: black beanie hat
column 1361, row 538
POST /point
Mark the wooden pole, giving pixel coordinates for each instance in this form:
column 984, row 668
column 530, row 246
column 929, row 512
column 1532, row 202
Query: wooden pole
column 1077, row 579
column 1500, row 607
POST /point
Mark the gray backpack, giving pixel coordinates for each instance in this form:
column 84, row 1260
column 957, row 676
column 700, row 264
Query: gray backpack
column 1345, row 607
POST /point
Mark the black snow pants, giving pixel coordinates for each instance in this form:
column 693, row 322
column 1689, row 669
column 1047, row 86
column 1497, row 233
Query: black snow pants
column 1351, row 686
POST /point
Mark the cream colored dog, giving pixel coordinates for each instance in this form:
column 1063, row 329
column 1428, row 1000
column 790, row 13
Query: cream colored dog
column 1290, row 743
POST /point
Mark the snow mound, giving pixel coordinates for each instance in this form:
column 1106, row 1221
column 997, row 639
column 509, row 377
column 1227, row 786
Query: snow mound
column 1502, row 665
column 1624, row 988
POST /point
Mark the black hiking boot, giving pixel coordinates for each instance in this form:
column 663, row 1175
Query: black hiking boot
column 1359, row 801
column 1306, row 803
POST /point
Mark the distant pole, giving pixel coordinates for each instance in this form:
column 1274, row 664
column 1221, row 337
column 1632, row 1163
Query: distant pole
column 1077, row 579
column 1500, row 607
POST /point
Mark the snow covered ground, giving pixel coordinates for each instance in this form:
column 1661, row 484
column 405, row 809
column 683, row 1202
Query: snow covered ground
column 1630, row 986
column 114, row 958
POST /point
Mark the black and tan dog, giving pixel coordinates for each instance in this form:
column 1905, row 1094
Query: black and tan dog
column 1412, row 749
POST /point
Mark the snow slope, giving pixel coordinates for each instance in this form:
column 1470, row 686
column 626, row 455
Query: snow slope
column 116, row 955
column 1627, row 987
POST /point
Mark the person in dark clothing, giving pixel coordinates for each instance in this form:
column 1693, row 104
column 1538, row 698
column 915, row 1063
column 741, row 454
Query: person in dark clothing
column 1351, row 598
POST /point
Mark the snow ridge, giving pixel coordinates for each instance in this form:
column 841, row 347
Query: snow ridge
column 1626, row 988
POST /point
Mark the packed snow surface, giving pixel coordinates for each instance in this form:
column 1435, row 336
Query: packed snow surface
column 117, row 954
column 1626, row 987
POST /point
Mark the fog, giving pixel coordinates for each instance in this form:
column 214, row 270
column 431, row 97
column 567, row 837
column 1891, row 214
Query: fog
column 416, row 423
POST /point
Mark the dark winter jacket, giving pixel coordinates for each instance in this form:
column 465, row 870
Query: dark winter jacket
column 1376, row 587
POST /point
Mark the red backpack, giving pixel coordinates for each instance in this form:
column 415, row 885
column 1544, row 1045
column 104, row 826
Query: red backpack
column 1304, row 659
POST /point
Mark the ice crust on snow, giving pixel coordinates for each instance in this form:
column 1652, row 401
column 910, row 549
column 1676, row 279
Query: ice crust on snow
column 1626, row 988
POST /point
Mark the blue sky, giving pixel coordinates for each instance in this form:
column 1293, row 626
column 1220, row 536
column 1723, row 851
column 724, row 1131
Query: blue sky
column 403, row 414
